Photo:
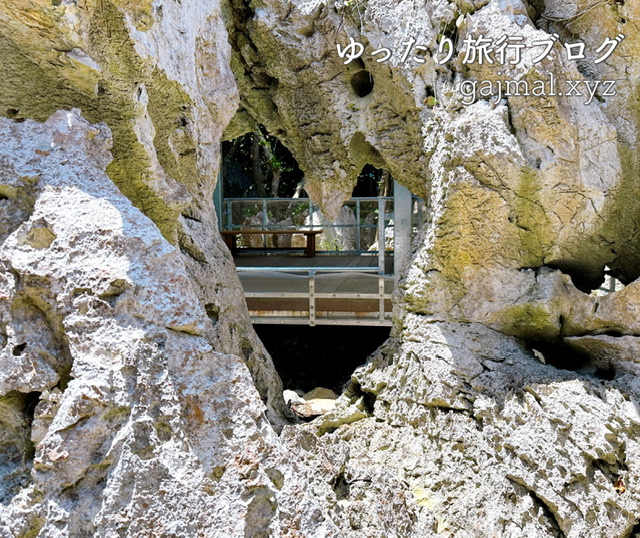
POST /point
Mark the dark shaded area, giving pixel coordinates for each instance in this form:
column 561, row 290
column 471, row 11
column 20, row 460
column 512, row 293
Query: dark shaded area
column 341, row 487
column 31, row 400
column 561, row 356
column 247, row 168
column 362, row 83
column 368, row 398
column 564, row 357
column 310, row 357
column 373, row 182
column 18, row 350
column 634, row 532
column 16, row 448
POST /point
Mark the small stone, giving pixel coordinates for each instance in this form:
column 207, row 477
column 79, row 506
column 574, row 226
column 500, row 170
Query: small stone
column 320, row 393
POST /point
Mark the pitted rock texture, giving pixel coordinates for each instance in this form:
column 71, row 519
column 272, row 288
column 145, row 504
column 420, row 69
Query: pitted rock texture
column 159, row 77
column 517, row 183
column 119, row 418
column 505, row 402
column 457, row 430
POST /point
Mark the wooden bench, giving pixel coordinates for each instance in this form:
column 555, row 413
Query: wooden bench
column 231, row 238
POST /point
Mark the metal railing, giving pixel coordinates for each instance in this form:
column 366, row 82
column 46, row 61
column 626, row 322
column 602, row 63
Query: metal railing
column 359, row 236
column 382, row 318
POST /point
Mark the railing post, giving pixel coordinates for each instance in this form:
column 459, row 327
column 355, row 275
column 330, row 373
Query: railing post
column 381, row 237
column 312, row 298
column 381, row 304
column 358, row 245
column 264, row 222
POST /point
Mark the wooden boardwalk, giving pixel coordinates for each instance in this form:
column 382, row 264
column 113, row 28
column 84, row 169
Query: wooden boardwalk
column 321, row 260
column 321, row 290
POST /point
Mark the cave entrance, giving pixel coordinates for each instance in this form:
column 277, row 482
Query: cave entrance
column 310, row 357
column 296, row 265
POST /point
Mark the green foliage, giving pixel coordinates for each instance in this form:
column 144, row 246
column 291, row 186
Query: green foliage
column 251, row 211
column 277, row 165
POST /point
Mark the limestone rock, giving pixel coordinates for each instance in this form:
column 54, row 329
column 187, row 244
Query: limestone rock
column 118, row 415
column 159, row 77
column 320, row 393
column 314, row 403
column 313, row 407
column 616, row 355
column 455, row 422
column 136, row 398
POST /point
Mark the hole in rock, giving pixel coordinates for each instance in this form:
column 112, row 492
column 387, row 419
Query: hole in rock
column 561, row 356
column 373, row 182
column 362, row 83
column 259, row 165
column 590, row 280
column 606, row 374
column 12, row 112
column 368, row 399
column 429, row 97
column 16, row 448
column 341, row 487
column 610, row 284
column 213, row 311
column 18, row 350
column 564, row 357
column 321, row 356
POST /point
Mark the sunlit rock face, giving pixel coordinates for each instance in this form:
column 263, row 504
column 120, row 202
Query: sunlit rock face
column 136, row 399
column 119, row 416
column 499, row 406
column 159, row 77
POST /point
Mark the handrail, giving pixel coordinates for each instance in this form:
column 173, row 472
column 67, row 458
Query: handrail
column 282, row 206
column 312, row 295
column 306, row 200
column 310, row 270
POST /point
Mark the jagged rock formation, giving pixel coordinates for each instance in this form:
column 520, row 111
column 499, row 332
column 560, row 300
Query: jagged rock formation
column 159, row 77
column 119, row 416
column 505, row 402
column 469, row 432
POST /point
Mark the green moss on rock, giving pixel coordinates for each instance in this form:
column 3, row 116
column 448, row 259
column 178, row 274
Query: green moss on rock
column 39, row 85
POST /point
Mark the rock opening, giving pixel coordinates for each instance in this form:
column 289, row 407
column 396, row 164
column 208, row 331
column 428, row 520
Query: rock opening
column 323, row 356
column 362, row 83
column 258, row 164
column 373, row 181
column 16, row 446
column 564, row 357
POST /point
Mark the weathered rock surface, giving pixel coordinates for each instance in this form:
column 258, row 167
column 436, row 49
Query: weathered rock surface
column 119, row 418
column 457, row 423
column 159, row 76
column 132, row 384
